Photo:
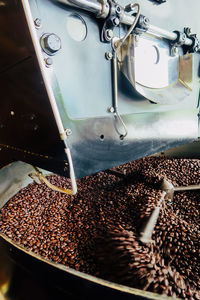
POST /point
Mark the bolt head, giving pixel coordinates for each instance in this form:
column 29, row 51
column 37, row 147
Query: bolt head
column 48, row 61
column 50, row 43
column 118, row 9
column 53, row 43
column 109, row 55
column 174, row 51
column 108, row 34
column 132, row 7
column 38, row 22
column 146, row 21
column 111, row 109
column 68, row 131
column 116, row 21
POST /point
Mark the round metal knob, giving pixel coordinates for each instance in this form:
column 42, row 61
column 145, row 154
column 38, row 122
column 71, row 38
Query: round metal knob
column 51, row 43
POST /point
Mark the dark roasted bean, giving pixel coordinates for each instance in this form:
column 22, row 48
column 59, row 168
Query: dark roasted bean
column 99, row 226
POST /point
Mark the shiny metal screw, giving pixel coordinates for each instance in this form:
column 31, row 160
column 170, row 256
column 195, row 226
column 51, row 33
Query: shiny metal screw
column 174, row 51
column 48, row 62
column 38, row 22
column 68, row 131
column 111, row 109
column 118, row 9
column 108, row 55
column 108, row 34
column 146, row 21
column 116, row 21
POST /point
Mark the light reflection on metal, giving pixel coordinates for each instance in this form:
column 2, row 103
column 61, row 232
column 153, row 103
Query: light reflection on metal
column 147, row 64
column 185, row 70
column 76, row 27
column 50, row 92
column 91, row 6
column 102, row 10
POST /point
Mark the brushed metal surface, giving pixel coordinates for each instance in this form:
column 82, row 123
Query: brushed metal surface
column 191, row 150
column 80, row 78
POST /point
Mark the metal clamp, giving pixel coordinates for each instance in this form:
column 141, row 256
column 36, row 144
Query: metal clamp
column 143, row 23
column 195, row 46
column 121, row 15
column 112, row 21
column 181, row 39
column 104, row 9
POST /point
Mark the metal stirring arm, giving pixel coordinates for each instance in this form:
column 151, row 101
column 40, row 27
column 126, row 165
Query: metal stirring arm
column 146, row 234
column 187, row 188
column 168, row 191
column 169, row 188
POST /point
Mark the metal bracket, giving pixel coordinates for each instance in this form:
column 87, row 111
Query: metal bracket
column 105, row 9
column 143, row 23
column 195, row 46
column 181, row 41
column 181, row 38
column 112, row 21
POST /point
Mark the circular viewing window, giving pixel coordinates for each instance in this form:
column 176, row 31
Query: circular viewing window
column 76, row 27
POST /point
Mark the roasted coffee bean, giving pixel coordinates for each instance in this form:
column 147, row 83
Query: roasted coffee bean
column 97, row 230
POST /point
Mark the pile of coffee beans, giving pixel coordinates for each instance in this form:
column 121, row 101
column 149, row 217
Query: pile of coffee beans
column 99, row 227
column 126, row 261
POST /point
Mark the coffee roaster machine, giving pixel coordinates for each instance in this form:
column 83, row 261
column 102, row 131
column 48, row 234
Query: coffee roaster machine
column 88, row 85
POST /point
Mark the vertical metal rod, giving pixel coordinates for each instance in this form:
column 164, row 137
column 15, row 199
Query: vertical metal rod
column 115, row 81
column 49, row 90
column 115, row 96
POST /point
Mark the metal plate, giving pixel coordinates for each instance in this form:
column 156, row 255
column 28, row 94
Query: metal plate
column 155, row 74
column 80, row 78
column 154, row 66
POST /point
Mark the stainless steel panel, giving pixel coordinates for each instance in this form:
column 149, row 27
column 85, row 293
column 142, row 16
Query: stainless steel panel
column 84, row 75
column 80, row 78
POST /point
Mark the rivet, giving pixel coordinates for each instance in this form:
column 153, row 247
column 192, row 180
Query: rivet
column 48, row 61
